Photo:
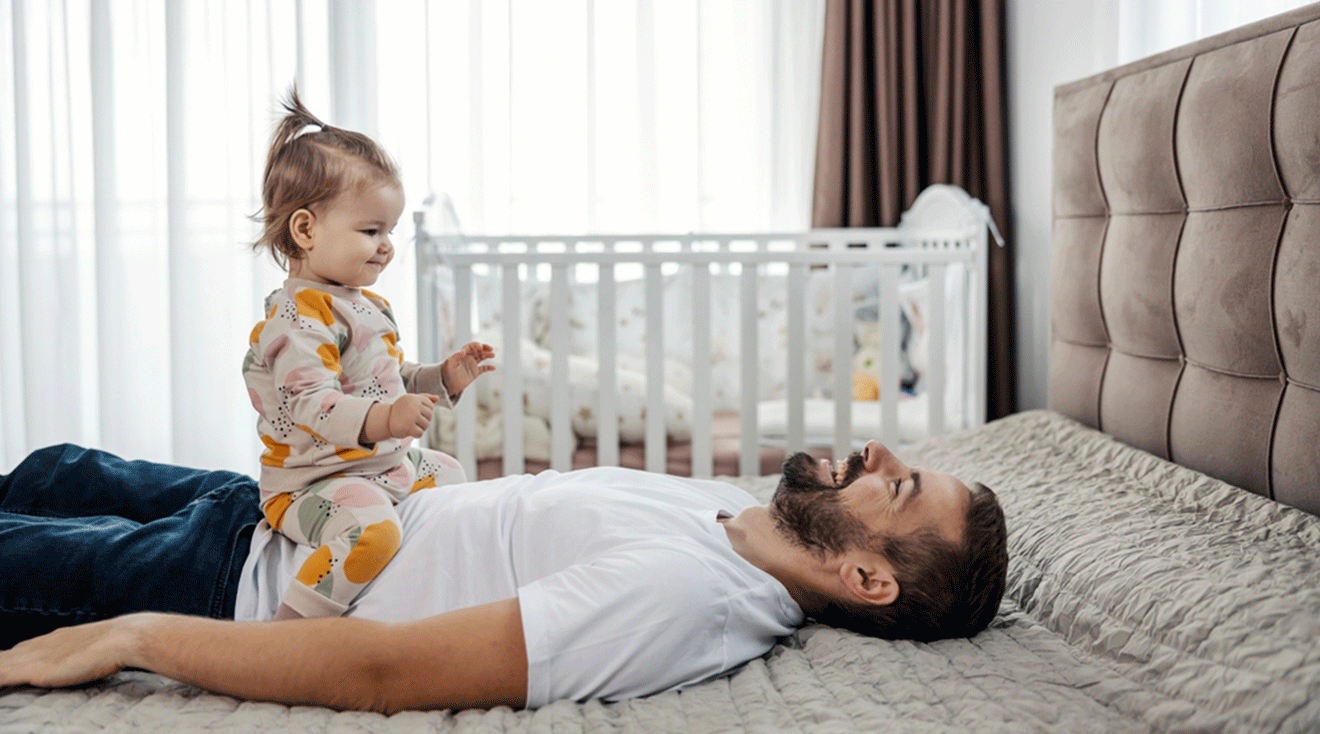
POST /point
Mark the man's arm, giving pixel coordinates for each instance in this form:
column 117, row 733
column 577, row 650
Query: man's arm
column 468, row 658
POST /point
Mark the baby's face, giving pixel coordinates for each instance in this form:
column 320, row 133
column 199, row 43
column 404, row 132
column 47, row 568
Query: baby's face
column 349, row 237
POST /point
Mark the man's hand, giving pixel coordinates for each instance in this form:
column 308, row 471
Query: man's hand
column 72, row 655
column 465, row 365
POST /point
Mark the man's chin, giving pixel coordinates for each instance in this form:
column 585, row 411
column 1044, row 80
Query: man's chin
column 809, row 511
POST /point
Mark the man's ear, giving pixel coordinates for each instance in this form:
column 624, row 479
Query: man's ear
column 868, row 578
column 302, row 224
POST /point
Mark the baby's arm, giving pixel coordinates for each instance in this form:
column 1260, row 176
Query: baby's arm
column 437, row 378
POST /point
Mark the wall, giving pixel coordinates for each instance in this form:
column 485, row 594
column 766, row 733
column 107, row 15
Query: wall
column 1050, row 42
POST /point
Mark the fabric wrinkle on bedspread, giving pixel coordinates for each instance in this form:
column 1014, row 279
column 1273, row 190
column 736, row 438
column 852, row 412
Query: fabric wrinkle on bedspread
column 1143, row 597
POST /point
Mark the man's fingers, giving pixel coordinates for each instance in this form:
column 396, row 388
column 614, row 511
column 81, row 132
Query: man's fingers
column 66, row 657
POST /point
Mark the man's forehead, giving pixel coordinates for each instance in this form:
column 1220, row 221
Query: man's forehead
column 955, row 518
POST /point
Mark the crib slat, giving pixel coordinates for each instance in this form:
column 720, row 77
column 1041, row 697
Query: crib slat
column 656, row 445
column 465, row 418
column 890, row 380
column 607, row 408
column 842, row 361
column 513, row 372
column 797, row 364
column 703, row 455
column 936, row 367
column 561, row 428
column 749, row 455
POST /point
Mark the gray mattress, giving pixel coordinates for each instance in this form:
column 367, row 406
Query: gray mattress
column 1142, row 597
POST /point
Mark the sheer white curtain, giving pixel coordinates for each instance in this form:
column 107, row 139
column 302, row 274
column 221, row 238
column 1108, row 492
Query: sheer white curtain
column 132, row 135
column 133, row 138
column 1146, row 27
column 605, row 115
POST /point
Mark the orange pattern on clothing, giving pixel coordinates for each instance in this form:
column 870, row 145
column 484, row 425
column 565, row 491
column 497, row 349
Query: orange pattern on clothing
column 316, row 304
column 390, row 340
column 330, row 357
column 316, row 567
column 275, row 509
column 375, row 547
column 256, row 332
column 425, row 482
column 275, row 452
column 351, row 454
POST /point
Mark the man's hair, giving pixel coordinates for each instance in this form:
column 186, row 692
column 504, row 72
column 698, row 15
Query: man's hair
column 306, row 167
column 944, row 590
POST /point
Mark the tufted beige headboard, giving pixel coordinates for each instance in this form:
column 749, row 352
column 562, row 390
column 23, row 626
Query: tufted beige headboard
column 1186, row 255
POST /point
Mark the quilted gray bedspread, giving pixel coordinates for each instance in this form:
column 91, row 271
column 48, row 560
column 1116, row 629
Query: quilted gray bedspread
column 1142, row 597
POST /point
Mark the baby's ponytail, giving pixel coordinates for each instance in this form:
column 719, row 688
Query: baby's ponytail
column 296, row 120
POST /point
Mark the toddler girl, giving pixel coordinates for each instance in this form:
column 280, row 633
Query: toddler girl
column 339, row 406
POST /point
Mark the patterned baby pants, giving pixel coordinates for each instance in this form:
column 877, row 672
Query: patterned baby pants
column 352, row 524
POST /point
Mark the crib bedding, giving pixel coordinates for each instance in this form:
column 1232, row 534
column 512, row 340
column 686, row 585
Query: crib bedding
column 1143, row 596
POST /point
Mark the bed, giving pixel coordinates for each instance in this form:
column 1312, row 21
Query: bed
column 1164, row 542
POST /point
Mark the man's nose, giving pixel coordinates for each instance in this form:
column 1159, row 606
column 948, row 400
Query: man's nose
column 876, row 455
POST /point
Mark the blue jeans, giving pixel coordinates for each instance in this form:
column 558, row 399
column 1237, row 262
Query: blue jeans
column 85, row 535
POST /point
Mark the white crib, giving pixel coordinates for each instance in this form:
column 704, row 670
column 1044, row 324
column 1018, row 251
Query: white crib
column 940, row 243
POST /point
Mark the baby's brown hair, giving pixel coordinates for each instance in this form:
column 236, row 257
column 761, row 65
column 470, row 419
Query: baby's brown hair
column 309, row 167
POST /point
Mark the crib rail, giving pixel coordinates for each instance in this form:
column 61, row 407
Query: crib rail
column 881, row 253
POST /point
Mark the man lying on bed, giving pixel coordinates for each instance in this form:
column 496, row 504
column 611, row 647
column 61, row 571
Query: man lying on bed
column 603, row 582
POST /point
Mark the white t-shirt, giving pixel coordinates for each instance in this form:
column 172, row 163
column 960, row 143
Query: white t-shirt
column 626, row 582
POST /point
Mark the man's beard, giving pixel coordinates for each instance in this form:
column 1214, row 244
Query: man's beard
column 811, row 513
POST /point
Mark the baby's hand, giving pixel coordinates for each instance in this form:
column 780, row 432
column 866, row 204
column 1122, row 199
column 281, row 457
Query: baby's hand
column 411, row 414
column 465, row 365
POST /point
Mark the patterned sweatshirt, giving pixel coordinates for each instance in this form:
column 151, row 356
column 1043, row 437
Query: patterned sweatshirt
column 314, row 367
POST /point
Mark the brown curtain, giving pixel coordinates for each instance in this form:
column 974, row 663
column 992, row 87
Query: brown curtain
column 912, row 93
